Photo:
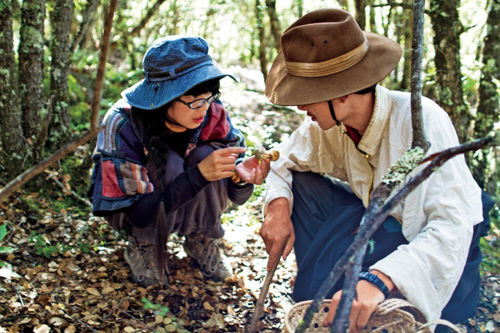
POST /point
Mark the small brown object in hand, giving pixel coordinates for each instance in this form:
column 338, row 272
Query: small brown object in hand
column 262, row 154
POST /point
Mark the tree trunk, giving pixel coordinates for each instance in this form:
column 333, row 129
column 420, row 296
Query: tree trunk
column 11, row 131
column 360, row 13
column 300, row 7
column 31, row 75
column 404, row 21
column 373, row 14
column 60, row 50
column 262, row 38
column 275, row 23
column 447, row 30
column 488, row 112
column 408, row 36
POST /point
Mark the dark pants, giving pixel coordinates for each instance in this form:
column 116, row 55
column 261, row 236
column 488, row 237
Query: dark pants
column 326, row 216
column 199, row 215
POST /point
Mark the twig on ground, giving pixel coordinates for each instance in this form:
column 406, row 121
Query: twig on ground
column 66, row 190
column 77, row 320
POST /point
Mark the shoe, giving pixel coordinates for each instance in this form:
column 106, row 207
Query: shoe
column 206, row 253
column 143, row 262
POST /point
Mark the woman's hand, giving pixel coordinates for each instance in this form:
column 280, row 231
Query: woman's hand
column 220, row 163
column 253, row 170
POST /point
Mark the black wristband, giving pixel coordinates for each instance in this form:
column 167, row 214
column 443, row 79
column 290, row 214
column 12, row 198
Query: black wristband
column 372, row 278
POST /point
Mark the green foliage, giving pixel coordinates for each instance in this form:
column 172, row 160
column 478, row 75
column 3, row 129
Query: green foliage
column 491, row 260
column 5, row 267
column 43, row 246
column 4, row 249
column 174, row 324
column 157, row 308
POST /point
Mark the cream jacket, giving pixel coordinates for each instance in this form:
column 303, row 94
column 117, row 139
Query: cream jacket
column 437, row 217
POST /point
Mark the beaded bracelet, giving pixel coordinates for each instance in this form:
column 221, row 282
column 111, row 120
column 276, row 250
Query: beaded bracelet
column 372, row 278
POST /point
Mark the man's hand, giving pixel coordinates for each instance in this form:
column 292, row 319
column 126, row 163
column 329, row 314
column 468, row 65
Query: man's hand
column 368, row 297
column 277, row 231
column 220, row 163
column 253, row 170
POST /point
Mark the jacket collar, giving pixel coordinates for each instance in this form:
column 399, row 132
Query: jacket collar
column 370, row 141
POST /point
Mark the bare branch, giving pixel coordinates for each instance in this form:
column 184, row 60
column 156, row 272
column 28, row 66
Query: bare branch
column 73, row 193
column 393, row 4
column 108, row 24
column 419, row 139
column 89, row 10
column 137, row 29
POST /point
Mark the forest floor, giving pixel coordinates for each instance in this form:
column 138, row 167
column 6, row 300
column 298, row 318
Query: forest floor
column 68, row 275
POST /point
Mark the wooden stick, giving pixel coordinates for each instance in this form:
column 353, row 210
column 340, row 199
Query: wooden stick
column 260, row 302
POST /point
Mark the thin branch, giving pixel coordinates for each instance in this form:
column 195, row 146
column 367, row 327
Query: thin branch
column 96, row 101
column 73, row 193
column 137, row 29
column 419, row 139
column 341, row 320
column 393, row 4
column 374, row 223
column 89, row 10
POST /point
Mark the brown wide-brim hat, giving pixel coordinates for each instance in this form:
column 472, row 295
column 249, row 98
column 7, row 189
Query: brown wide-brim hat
column 325, row 55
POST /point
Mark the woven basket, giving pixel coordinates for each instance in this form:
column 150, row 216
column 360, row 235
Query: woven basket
column 394, row 315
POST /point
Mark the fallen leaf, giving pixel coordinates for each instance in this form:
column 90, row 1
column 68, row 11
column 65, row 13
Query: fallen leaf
column 93, row 291
column 170, row 328
column 8, row 273
column 70, row 329
column 56, row 321
column 207, row 306
column 107, row 290
column 41, row 329
column 216, row 320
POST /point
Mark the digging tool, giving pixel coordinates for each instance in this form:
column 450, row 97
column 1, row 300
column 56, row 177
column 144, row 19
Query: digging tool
column 262, row 297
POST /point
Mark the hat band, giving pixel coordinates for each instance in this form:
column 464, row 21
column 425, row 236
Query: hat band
column 330, row 66
column 173, row 73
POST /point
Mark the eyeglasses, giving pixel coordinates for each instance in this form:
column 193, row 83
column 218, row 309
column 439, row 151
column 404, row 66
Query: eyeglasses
column 198, row 103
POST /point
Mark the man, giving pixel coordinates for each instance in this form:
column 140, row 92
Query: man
column 427, row 250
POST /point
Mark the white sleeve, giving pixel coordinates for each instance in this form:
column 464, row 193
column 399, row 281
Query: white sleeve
column 309, row 148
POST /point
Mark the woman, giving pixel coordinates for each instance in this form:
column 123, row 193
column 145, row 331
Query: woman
column 168, row 160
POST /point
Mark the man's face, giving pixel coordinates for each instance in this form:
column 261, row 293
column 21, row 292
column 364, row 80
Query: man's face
column 320, row 113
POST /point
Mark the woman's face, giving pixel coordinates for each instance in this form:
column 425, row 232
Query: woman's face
column 180, row 117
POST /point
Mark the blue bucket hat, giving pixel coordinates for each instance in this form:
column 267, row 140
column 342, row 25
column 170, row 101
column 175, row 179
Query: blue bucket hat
column 172, row 66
